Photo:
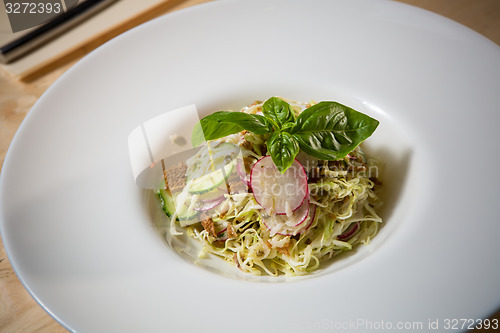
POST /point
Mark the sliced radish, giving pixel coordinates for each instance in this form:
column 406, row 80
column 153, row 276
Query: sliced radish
column 221, row 230
column 353, row 227
column 222, row 235
column 312, row 214
column 244, row 176
column 278, row 193
column 203, row 205
column 285, row 226
column 209, row 200
column 297, row 217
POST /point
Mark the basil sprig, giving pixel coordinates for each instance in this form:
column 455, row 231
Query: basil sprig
column 327, row 130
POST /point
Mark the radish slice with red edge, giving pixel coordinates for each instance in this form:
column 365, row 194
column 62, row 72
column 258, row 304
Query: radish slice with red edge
column 278, row 193
column 209, row 200
column 222, row 235
column 307, row 224
column 244, row 176
column 298, row 217
column 203, row 205
column 221, row 230
column 277, row 225
column 351, row 229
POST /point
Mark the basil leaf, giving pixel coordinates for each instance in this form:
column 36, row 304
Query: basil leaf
column 283, row 148
column 278, row 111
column 330, row 130
column 287, row 127
column 222, row 123
column 206, row 130
column 251, row 122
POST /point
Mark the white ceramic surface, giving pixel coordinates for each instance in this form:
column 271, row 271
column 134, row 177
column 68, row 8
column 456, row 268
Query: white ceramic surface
column 79, row 232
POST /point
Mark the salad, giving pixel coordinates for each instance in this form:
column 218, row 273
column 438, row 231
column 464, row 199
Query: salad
column 277, row 188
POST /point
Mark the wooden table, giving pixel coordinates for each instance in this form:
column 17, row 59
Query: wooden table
column 18, row 310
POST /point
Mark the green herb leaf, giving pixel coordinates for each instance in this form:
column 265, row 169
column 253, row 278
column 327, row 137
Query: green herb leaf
column 330, row 130
column 278, row 112
column 206, row 130
column 327, row 130
column 288, row 127
column 223, row 123
column 283, row 148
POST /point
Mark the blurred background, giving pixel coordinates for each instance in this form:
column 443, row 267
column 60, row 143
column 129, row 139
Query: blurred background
column 25, row 79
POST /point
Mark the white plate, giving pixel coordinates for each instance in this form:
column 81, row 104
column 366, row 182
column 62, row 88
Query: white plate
column 80, row 235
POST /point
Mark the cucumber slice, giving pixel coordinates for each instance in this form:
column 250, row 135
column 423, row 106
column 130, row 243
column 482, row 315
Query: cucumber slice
column 172, row 205
column 210, row 181
column 167, row 202
column 211, row 157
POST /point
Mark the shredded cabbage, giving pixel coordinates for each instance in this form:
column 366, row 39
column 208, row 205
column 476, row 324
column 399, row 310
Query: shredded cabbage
column 344, row 193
